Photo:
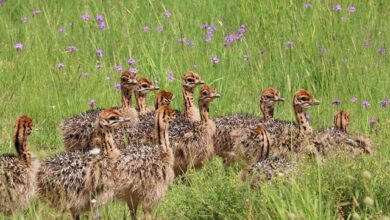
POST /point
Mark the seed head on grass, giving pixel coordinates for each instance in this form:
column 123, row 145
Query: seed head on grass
column 24, row 19
column 170, row 76
column 61, row 30
column 167, row 14
column 160, row 28
column 146, row 28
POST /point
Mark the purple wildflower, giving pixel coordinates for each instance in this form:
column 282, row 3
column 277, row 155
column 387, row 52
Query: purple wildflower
column 92, row 103
column 307, row 5
column 352, row 9
column 146, row 28
column 118, row 68
column 289, row 43
column 131, row 61
column 385, row 103
column 160, row 28
column 84, row 74
column 382, row 51
column 2, row 2
column 204, row 26
column 170, row 76
column 354, row 99
column 214, row 59
column 167, row 14
column 19, row 46
column 85, row 17
column 99, row 18
column 133, row 70
column 71, row 48
column 98, row 65
column 372, row 121
column 117, row 86
column 181, row 40
column 336, row 102
column 229, row 39
column 61, row 30
column 99, row 53
column 367, row 43
column 246, row 57
column 242, row 29
column 102, row 26
column 59, row 65
column 24, row 19
column 337, row 7
column 36, row 12
column 365, row 103
column 97, row 216
column 189, row 43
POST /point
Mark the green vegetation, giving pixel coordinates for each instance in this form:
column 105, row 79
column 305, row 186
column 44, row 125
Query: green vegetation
column 287, row 45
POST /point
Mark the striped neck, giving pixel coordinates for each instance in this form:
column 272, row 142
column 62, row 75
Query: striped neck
column 21, row 143
column 141, row 102
column 267, row 109
column 190, row 110
column 162, row 127
column 126, row 96
column 304, row 126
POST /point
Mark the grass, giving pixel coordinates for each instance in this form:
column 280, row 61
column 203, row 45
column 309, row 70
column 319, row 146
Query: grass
column 327, row 57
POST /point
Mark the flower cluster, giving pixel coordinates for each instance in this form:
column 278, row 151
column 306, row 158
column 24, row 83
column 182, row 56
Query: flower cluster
column 210, row 30
column 234, row 37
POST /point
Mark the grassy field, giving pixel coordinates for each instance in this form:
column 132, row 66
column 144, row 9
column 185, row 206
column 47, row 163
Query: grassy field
column 50, row 69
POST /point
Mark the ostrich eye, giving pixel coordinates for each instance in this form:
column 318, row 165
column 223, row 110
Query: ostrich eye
column 269, row 97
column 305, row 99
column 190, row 80
column 144, row 85
column 113, row 118
column 205, row 93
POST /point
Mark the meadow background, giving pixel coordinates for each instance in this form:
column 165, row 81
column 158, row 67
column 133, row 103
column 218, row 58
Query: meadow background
column 56, row 57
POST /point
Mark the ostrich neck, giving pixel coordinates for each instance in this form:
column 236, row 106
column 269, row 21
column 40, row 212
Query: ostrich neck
column 304, row 126
column 204, row 111
column 162, row 128
column 141, row 102
column 21, row 144
column 267, row 110
column 190, row 111
column 107, row 140
column 126, row 94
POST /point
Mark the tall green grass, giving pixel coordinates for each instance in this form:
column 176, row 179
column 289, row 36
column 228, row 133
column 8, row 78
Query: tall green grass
column 327, row 57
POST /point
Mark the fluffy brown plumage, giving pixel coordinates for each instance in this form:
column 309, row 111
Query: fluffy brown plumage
column 77, row 181
column 143, row 133
column 77, row 131
column 337, row 138
column 18, row 172
column 230, row 127
column 196, row 146
column 144, row 172
column 253, row 144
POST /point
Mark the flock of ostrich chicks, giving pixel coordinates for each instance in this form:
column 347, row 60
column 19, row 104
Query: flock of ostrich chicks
column 134, row 153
